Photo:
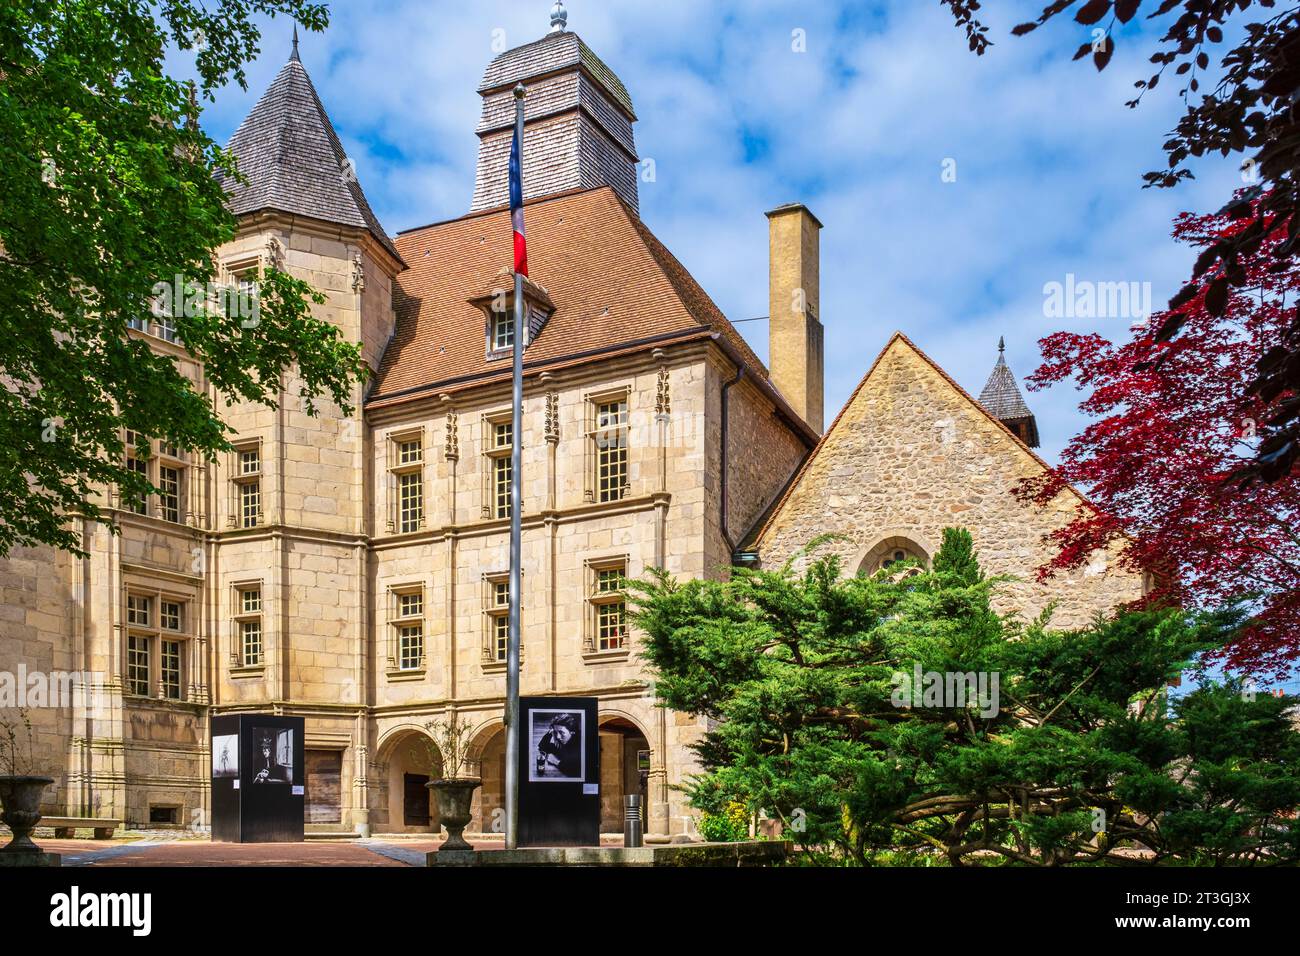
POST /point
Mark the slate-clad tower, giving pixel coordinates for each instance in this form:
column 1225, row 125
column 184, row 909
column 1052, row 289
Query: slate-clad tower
column 577, row 121
column 1002, row 399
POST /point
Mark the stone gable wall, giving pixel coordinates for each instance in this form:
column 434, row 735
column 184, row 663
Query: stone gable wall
column 911, row 456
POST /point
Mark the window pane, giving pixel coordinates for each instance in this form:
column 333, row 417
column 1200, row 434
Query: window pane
column 250, row 641
column 500, row 636
column 141, row 467
column 171, row 670
column 611, row 465
column 169, row 480
column 410, row 605
column 139, row 610
column 250, row 503
column 250, row 462
column 410, row 640
column 137, row 665
column 609, row 626
column 502, row 470
column 411, row 500
column 171, row 615
column 250, row 601
column 503, row 331
column 410, row 452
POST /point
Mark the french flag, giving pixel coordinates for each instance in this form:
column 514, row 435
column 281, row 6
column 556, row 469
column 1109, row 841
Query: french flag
column 517, row 206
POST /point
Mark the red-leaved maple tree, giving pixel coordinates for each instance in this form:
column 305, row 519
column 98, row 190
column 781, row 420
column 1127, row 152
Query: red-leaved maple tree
column 1173, row 421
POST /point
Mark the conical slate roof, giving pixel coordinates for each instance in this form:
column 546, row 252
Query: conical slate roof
column 1002, row 399
column 288, row 151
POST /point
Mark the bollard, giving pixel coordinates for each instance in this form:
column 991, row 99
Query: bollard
column 633, row 826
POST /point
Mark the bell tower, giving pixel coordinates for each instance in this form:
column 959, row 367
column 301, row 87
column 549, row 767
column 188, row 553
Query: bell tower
column 577, row 121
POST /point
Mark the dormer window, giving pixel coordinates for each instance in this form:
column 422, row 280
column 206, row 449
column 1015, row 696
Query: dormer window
column 498, row 305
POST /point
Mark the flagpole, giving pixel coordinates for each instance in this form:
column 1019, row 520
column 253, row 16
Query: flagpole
column 516, row 530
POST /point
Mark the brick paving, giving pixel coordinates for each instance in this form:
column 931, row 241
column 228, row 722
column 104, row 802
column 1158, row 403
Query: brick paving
column 198, row 853
column 154, row 850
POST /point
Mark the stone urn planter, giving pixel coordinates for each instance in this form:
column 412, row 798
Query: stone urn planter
column 20, row 800
column 454, row 796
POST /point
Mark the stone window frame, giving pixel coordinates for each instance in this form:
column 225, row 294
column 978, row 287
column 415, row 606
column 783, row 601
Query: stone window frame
column 493, row 614
column 492, row 453
column 593, row 401
column 241, row 613
column 397, row 469
column 237, row 271
column 594, row 599
column 156, row 456
column 240, row 478
column 154, row 632
column 398, row 619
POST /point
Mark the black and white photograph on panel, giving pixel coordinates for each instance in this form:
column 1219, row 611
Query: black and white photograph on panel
column 225, row 755
column 555, row 739
column 273, row 760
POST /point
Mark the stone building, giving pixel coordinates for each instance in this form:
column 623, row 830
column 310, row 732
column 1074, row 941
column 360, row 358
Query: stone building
column 352, row 570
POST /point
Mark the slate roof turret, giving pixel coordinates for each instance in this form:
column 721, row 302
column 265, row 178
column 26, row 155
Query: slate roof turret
column 293, row 160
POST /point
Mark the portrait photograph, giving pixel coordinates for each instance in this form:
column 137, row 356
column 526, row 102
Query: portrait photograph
column 273, row 758
column 555, row 741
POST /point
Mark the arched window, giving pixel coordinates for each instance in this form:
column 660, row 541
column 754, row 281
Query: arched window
column 891, row 551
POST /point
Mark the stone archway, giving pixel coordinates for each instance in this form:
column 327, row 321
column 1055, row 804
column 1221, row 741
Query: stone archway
column 487, row 755
column 890, row 550
column 407, row 760
column 625, row 757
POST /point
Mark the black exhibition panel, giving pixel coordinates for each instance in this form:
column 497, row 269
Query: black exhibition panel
column 559, row 772
column 258, row 779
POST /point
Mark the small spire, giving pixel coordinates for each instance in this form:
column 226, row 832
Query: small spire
column 294, row 54
column 559, row 17
column 1002, row 344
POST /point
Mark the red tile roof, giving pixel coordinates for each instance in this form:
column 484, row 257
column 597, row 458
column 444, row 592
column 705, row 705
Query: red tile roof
column 611, row 280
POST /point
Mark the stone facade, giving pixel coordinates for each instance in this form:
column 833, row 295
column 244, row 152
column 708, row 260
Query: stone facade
column 910, row 454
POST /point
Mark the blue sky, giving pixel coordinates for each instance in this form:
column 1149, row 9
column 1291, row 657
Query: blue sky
column 1048, row 158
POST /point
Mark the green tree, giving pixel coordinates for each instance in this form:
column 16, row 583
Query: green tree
column 1035, row 746
column 108, row 186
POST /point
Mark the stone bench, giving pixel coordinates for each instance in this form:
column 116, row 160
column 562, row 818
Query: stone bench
column 65, row 827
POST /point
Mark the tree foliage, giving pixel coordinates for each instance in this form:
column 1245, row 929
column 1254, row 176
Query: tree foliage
column 1248, row 106
column 1174, row 423
column 1072, row 760
column 108, row 187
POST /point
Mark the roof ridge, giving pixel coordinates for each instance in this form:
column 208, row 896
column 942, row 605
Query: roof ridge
column 678, row 275
column 531, row 201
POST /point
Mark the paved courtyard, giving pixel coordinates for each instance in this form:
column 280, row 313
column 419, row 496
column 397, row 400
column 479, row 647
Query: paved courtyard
column 155, row 850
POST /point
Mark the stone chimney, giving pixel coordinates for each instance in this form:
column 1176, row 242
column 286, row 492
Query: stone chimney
column 794, row 304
